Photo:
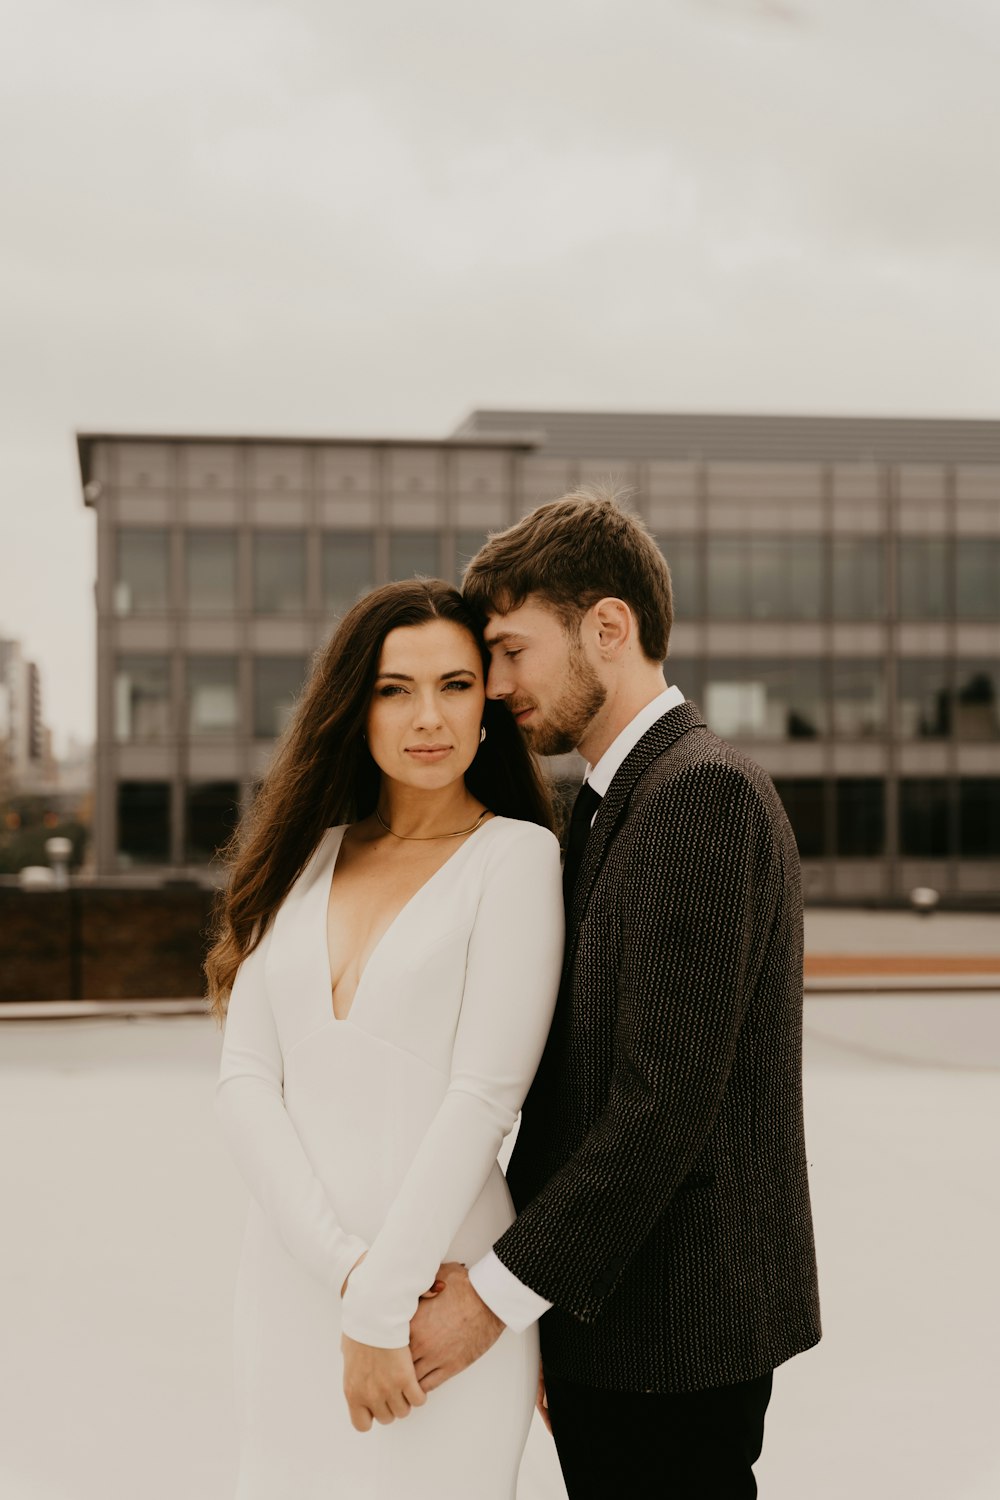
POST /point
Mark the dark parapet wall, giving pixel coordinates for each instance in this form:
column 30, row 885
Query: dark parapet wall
column 36, row 960
column 102, row 943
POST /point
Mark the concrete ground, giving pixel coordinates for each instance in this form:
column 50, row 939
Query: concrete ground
column 122, row 1219
column 831, row 930
column 885, row 949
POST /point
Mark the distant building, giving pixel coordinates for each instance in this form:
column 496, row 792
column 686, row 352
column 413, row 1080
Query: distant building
column 837, row 586
column 25, row 748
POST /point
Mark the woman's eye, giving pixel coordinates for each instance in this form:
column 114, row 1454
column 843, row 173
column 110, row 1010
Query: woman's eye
column 457, row 686
column 390, row 690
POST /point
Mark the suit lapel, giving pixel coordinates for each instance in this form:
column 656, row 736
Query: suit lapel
column 614, row 807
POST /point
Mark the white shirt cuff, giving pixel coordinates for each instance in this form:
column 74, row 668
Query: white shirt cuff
column 513, row 1303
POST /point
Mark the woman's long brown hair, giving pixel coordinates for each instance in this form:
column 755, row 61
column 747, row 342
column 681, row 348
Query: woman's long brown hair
column 322, row 773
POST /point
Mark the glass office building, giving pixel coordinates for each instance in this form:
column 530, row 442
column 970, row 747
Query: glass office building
column 837, row 590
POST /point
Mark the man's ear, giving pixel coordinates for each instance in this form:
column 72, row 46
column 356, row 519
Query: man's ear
column 614, row 627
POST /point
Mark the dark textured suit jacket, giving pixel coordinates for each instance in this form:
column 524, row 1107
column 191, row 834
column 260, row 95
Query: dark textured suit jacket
column 660, row 1169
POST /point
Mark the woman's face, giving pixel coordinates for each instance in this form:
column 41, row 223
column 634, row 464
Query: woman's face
column 426, row 708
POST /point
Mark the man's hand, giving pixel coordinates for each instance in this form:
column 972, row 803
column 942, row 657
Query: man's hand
column 450, row 1331
column 378, row 1383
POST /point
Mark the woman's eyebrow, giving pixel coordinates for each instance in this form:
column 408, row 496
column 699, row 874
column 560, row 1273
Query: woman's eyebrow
column 405, row 676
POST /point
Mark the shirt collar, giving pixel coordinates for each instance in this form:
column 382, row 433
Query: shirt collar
column 601, row 776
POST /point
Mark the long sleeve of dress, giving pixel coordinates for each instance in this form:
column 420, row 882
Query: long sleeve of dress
column 251, row 1109
column 512, row 977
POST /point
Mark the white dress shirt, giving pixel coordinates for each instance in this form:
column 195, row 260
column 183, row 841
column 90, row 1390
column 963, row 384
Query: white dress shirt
column 514, row 1303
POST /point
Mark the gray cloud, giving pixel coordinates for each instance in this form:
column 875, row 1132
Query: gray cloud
column 295, row 216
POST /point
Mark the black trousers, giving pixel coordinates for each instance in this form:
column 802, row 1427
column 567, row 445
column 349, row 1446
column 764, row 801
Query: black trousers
column 626, row 1445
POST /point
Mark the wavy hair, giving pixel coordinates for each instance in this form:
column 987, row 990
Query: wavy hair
column 322, row 773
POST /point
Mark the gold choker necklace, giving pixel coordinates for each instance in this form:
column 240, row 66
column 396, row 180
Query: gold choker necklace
column 423, row 838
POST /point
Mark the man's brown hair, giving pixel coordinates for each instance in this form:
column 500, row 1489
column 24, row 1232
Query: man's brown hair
column 570, row 553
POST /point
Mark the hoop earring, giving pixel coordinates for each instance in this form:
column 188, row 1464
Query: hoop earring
column 482, row 734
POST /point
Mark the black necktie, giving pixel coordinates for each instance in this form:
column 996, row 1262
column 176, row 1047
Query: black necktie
column 586, row 804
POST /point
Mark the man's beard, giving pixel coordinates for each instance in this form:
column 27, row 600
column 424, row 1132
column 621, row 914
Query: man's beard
column 562, row 729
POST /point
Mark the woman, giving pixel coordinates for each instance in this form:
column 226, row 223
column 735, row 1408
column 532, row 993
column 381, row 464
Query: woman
column 392, row 940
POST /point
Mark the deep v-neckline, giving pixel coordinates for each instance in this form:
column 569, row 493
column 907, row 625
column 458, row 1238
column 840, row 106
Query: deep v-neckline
column 328, row 887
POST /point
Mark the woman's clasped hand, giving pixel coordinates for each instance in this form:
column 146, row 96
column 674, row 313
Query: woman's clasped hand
column 379, row 1384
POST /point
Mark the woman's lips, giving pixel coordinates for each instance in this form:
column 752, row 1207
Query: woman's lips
column 428, row 752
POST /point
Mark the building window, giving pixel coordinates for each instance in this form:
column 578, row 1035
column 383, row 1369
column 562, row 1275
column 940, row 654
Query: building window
column 924, row 818
column 979, row 817
column 923, row 700
column 211, row 812
column 977, row 578
column 143, row 823
column 142, row 571
column 277, row 682
column 765, row 700
column 210, row 571
column 728, row 580
column 142, row 698
column 414, row 554
column 213, row 695
column 348, row 569
column 684, row 672
column 804, row 801
column 859, row 804
column 858, row 578
column 977, row 700
column 279, row 572
column 858, row 699
column 922, row 582
column 683, row 555
column 786, row 578
column 467, row 544
column 765, row 578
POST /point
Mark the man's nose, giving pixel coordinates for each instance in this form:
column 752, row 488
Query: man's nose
column 498, row 685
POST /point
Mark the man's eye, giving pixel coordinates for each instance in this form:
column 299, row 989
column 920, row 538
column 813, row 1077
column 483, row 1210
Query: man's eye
column 516, row 651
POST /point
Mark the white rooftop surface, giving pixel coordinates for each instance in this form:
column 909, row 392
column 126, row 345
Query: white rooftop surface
column 831, row 929
column 122, row 1219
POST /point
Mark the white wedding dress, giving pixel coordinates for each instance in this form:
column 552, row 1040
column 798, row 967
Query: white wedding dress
column 380, row 1133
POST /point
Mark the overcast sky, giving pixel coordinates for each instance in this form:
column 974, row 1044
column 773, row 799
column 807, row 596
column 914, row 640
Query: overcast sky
column 301, row 216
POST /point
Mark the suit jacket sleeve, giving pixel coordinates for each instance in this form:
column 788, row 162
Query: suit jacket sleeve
column 272, row 1160
column 689, row 914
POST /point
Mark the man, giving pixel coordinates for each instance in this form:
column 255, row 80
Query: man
column 663, row 1232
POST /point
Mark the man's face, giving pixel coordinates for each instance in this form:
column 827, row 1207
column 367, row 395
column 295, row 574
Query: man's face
column 541, row 671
